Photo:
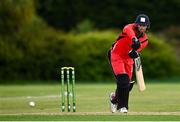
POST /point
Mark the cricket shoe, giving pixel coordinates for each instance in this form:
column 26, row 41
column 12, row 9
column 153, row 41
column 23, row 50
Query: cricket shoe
column 123, row 110
column 113, row 107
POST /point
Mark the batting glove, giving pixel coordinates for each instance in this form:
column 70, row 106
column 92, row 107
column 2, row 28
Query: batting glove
column 136, row 44
column 133, row 54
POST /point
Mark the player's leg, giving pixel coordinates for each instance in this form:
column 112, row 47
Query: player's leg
column 122, row 81
column 112, row 96
column 122, row 92
column 113, row 102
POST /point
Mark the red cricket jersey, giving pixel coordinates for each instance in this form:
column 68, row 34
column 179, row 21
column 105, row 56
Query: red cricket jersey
column 120, row 60
column 123, row 44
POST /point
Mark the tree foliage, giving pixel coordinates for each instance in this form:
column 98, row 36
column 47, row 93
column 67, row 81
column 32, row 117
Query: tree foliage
column 30, row 49
column 15, row 15
column 65, row 14
column 41, row 57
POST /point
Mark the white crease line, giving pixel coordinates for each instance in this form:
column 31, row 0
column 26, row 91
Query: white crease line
column 31, row 97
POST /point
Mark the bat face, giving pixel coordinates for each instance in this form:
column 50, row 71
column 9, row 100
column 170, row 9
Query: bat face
column 137, row 63
column 139, row 74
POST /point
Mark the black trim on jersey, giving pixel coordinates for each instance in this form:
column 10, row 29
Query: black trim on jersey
column 144, row 41
column 120, row 37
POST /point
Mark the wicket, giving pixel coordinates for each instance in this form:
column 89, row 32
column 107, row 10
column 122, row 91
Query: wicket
column 68, row 76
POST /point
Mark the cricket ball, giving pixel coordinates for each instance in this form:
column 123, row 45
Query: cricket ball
column 32, row 104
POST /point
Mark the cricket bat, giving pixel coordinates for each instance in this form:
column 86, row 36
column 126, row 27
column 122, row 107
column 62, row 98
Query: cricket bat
column 139, row 74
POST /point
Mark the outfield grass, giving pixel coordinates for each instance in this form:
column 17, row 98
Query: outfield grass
column 159, row 102
column 91, row 118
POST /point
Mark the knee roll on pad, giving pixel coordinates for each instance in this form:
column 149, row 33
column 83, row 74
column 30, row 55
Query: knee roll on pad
column 122, row 80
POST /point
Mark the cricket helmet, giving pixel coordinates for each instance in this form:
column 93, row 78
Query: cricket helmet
column 143, row 19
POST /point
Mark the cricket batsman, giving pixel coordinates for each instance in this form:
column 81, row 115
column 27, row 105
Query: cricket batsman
column 130, row 42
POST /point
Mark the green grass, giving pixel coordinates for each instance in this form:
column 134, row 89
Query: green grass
column 91, row 118
column 162, row 99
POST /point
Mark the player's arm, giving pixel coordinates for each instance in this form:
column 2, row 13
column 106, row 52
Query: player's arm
column 130, row 33
column 134, row 54
column 143, row 45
